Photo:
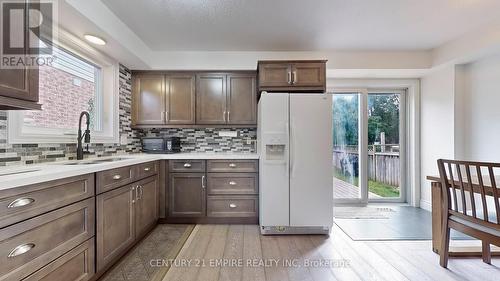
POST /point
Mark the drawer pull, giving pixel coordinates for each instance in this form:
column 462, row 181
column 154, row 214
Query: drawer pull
column 232, row 183
column 187, row 165
column 19, row 202
column 147, row 169
column 232, row 206
column 232, row 165
column 21, row 249
column 117, row 177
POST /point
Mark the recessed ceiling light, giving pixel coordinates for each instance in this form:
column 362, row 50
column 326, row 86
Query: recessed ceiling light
column 94, row 39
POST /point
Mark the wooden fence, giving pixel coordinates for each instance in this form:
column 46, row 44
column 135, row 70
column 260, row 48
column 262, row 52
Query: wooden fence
column 383, row 167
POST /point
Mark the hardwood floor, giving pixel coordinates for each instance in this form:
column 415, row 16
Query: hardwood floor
column 239, row 245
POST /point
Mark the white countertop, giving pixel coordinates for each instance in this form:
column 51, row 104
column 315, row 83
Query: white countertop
column 58, row 170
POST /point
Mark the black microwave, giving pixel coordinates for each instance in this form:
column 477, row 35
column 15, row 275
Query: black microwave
column 161, row 144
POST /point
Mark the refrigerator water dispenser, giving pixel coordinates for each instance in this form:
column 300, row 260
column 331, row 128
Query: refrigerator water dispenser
column 275, row 152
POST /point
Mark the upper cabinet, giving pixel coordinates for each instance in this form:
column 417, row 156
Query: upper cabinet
column 163, row 99
column 211, row 99
column 149, row 99
column 19, row 87
column 241, row 99
column 195, row 99
column 180, row 99
column 227, row 99
column 292, row 76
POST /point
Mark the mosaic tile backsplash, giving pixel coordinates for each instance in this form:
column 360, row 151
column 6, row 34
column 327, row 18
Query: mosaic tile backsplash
column 192, row 140
column 208, row 139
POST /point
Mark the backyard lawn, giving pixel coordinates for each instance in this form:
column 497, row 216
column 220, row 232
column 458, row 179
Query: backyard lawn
column 375, row 187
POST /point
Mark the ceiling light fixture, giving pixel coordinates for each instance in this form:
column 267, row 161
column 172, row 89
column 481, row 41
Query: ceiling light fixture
column 94, row 39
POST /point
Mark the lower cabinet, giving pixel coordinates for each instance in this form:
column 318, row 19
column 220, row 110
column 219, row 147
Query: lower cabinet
column 221, row 191
column 187, row 195
column 123, row 216
column 75, row 265
column 115, row 224
column 30, row 245
column 146, row 205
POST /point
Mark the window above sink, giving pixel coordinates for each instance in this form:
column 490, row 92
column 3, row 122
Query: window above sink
column 80, row 79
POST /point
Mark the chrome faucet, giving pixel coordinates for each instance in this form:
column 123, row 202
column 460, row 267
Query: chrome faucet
column 79, row 148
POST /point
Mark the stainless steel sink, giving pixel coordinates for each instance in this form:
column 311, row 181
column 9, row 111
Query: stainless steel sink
column 8, row 173
column 97, row 161
column 81, row 163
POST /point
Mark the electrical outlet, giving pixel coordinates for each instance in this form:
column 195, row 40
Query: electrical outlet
column 232, row 134
column 124, row 139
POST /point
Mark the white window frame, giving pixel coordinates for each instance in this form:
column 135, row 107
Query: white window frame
column 412, row 135
column 109, row 103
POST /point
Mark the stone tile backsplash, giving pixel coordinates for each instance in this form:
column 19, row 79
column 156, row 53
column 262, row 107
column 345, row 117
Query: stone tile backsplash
column 208, row 139
column 192, row 140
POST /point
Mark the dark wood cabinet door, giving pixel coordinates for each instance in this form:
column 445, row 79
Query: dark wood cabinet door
column 19, row 83
column 241, row 99
column 274, row 74
column 115, row 224
column 180, row 99
column 19, row 87
column 308, row 74
column 211, row 99
column 146, row 211
column 149, row 99
column 187, row 195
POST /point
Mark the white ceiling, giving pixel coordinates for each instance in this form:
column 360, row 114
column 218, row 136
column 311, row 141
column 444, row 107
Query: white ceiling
column 299, row 25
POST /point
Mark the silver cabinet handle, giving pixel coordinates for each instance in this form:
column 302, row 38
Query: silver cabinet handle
column 134, row 197
column 224, row 116
column 21, row 249
column 141, row 191
column 232, row 165
column 232, row 183
column 147, row 169
column 167, row 117
column 203, row 185
column 228, row 115
column 294, row 77
column 20, row 202
column 117, row 177
column 187, row 165
column 162, row 117
column 232, row 206
column 289, row 77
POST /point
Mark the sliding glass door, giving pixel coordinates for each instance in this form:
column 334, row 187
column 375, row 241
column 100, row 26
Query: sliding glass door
column 369, row 145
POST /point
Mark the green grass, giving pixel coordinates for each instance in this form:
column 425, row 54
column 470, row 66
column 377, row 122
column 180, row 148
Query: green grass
column 381, row 189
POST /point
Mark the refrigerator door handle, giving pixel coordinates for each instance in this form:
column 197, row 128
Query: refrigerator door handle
column 292, row 149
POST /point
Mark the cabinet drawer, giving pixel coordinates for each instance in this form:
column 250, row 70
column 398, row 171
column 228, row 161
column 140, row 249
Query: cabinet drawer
column 232, row 206
column 25, row 202
column 110, row 179
column 75, row 265
column 145, row 170
column 241, row 166
column 29, row 245
column 232, row 183
column 190, row 166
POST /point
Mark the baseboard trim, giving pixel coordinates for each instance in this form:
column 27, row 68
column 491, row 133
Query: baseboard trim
column 426, row 205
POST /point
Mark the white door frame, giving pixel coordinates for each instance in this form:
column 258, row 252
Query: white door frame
column 412, row 134
column 402, row 145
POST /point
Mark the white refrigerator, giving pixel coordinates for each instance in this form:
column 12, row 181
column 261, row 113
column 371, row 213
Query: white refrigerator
column 295, row 166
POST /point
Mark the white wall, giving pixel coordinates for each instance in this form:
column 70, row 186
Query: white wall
column 482, row 110
column 460, row 116
column 437, row 107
